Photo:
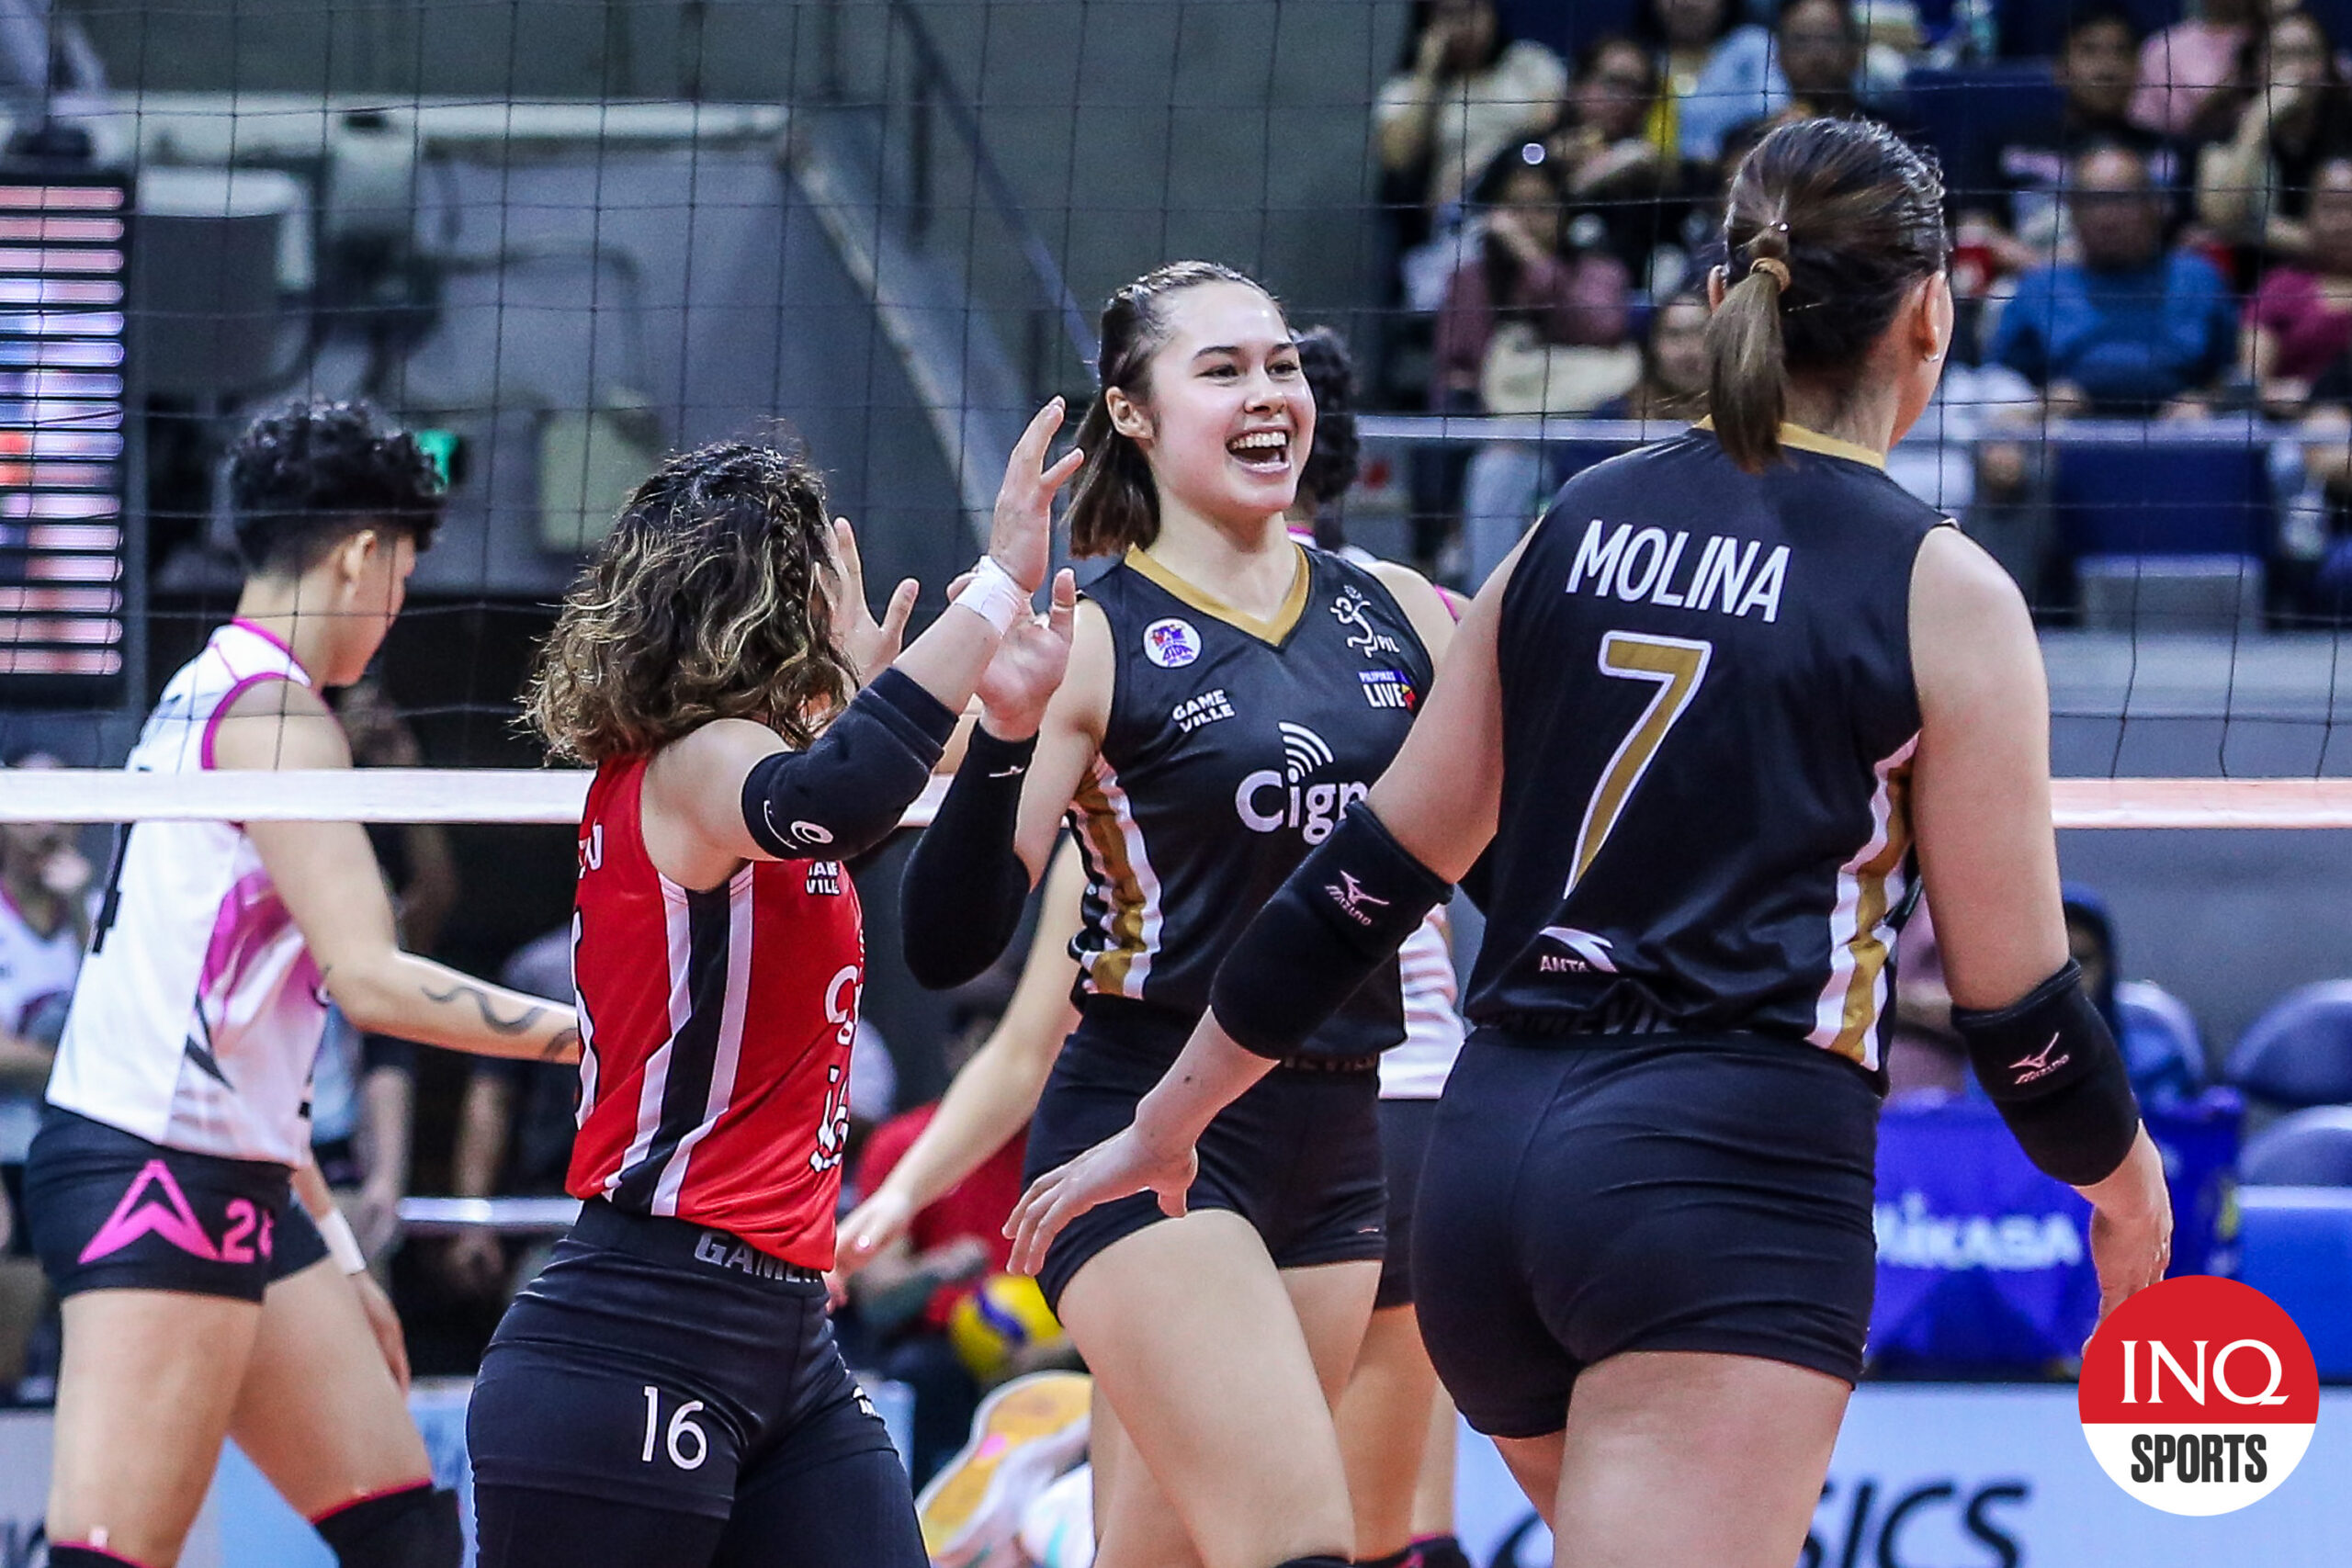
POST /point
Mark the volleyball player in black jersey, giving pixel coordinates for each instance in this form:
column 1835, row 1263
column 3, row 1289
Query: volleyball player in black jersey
column 1711, row 714
column 1229, row 692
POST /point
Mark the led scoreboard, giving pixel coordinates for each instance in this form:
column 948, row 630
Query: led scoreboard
column 62, row 417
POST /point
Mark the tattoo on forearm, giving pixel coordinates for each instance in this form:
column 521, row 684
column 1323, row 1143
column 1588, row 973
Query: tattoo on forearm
column 564, row 1040
column 480, row 998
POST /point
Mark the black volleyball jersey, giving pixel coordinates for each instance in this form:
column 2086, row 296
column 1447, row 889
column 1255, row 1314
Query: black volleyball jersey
column 1232, row 746
column 1708, row 721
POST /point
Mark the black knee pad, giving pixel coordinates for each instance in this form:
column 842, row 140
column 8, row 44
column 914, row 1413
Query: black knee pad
column 1442, row 1551
column 1394, row 1560
column 414, row 1528
column 1313, row 1562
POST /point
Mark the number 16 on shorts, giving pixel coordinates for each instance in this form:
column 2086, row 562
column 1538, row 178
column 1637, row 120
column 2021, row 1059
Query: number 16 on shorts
column 681, row 1440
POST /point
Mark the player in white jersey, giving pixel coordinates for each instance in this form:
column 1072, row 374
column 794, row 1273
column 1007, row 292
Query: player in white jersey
column 199, row 1302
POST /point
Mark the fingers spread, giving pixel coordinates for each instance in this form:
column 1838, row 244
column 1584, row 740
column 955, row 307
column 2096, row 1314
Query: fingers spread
column 1030, row 450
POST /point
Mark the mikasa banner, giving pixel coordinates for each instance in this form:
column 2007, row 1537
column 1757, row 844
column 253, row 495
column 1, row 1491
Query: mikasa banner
column 1991, row 1476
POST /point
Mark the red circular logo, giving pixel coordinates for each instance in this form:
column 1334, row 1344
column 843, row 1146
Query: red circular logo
column 2199, row 1395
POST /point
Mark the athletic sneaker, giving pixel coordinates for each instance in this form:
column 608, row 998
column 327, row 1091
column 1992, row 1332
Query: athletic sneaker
column 1057, row 1526
column 1025, row 1433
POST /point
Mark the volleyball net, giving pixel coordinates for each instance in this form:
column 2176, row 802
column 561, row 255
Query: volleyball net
column 558, row 239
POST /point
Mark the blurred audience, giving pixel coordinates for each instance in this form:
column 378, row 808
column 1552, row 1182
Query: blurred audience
column 1629, row 196
column 1686, row 37
column 1465, row 90
column 2131, row 328
column 45, row 893
column 2158, row 1038
column 2182, row 67
column 1815, row 62
column 2013, row 203
column 2292, row 114
column 1674, row 366
column 1517, row 312
column 2299, row 323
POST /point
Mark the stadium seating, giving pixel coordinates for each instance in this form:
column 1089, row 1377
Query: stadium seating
column 2299, row 1052
column 2147, row 496
column 2297, row 1249
column 2307, row 1149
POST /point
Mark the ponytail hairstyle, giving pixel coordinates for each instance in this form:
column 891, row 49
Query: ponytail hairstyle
column 1113, row 502
column 1830, row 223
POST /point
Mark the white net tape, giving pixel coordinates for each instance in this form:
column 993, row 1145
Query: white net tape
column 550, row 795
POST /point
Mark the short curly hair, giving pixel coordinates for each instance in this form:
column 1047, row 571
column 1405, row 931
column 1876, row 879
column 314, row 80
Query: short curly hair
column 310, row 474
column 711, row 598
column 1337, row 456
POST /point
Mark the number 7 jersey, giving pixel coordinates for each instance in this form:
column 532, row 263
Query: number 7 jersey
column 1708, row 721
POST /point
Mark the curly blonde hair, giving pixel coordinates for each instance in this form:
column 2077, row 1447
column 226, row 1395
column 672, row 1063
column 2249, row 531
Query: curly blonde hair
column 707, row 601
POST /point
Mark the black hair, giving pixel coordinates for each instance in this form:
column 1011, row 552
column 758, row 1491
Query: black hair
column 2103, row 13
column 1418, row 23
column 1588, row 57
column 309, row 475
column 1337, row 455
column 1849, row 217
column 1846, row 15
column 1649, row 27
column 1113, row 502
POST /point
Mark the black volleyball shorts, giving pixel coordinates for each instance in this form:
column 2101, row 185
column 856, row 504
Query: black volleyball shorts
column 1588, row 1197
column 110, row 1211
column 1298, row 1155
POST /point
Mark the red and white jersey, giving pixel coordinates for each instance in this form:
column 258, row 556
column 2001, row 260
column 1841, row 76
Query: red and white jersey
column 196, row 1018
column 715, row 1033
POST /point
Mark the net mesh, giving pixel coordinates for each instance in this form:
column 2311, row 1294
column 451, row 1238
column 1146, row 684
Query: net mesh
column 560, row 238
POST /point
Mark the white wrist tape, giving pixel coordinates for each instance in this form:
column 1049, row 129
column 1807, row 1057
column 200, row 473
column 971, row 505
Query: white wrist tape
column 342, row 1246
column 993, row 595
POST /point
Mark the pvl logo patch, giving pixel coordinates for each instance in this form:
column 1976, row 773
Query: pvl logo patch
column 2199, row 1395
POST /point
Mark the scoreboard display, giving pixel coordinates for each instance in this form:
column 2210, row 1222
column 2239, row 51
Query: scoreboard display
column 63, row 423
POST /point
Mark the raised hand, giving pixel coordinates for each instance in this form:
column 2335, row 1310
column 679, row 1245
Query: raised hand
column 870, row 645
column 1029, row 665
column 1020, row 538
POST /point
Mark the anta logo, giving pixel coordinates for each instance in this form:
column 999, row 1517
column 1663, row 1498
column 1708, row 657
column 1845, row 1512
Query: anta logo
column 1354, row 612
column 824, row 878
column 1193, row 713
column 1352, row 900
column 2039, row 1065
column 154, row 1205
column 1171, row 644
column 1387, row 689
column 1270, row 800
column 1647, row 565
column 1587, row 954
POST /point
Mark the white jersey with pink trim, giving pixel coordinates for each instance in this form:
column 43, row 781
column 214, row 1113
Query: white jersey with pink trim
column 1416, row 1069
column 196, row 1018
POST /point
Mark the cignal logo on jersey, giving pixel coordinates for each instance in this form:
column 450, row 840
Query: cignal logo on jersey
column 2199, row 1395
column 1271, row 799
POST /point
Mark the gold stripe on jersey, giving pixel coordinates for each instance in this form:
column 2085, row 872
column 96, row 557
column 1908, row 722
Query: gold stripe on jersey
column 1804, row 440
column 1272, row 632
column 1858, row 1038
column 1119, row 878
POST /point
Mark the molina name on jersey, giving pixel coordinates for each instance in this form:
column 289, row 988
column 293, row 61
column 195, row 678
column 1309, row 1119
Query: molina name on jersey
column 1233, row 745
column 1707, row 718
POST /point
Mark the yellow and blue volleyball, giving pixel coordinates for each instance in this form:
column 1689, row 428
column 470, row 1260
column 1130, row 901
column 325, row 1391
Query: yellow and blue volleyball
column 996, row 1320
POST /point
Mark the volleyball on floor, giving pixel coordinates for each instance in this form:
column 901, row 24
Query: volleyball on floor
column 996, row 1322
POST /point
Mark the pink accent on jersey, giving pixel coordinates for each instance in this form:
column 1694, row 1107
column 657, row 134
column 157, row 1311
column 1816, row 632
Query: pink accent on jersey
column 172, row 1219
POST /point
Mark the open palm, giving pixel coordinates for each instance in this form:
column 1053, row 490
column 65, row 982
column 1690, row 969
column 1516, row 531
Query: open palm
column 1029, row 664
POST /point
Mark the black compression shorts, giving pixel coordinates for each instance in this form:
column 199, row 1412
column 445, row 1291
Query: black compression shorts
column 110, row 1211
column 686, row 1389
column 1641, row 1194
column 1405, row 1127
column 1298, row 1155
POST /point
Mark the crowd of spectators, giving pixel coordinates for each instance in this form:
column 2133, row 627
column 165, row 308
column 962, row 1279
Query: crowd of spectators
column 2148, row 226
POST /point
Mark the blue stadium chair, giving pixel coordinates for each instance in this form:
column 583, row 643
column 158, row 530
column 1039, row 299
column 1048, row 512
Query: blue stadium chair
column 2139, row 498
column 2307, row 1149
column 2036, row 29
column 2299, row 1052
column 2297, row 1249
column 2335, row 16
column 1965, row 111
column 2162, row 1044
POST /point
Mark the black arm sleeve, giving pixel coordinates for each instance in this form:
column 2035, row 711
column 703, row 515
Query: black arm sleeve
column 2050, row 1066
column 846, row 793
column 965, row 887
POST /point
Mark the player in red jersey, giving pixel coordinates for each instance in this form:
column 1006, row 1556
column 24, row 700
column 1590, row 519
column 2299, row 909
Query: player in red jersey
column 668, row 1390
